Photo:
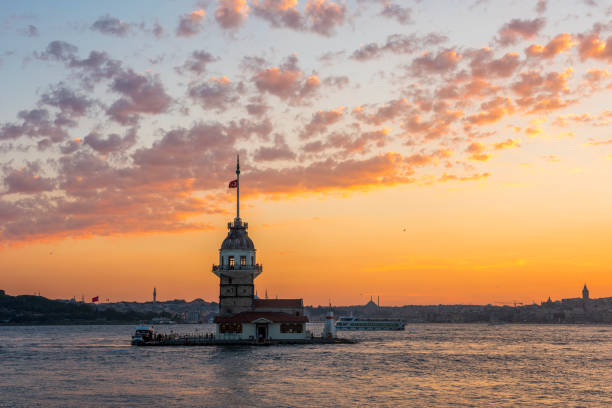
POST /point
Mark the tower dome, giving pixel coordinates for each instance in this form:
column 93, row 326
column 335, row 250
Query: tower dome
column 237, row 237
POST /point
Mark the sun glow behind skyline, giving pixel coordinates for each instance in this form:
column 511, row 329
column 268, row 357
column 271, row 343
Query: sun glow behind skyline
column 425, row 153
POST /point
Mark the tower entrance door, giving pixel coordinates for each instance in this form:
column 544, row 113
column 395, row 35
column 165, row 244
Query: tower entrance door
column 262, row 332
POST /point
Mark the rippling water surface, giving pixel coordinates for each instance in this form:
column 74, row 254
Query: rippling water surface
column 426, row 365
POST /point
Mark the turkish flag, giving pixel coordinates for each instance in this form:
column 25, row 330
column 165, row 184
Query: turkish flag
column 233, row 184
column 95, row 299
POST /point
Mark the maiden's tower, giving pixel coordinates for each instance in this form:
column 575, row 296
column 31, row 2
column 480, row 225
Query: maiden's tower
column 242, row 316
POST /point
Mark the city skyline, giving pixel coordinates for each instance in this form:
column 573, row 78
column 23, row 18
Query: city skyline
column 386, row 149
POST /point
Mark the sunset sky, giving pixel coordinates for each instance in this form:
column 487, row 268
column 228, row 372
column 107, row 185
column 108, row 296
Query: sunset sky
column 422, row 151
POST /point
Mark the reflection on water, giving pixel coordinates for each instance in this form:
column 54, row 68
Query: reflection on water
column 426, row 365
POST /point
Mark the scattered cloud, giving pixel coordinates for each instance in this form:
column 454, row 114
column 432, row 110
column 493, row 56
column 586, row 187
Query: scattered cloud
column 111, row 25
column 197, row 62
column 320, row 121
column 26, row 180
column 191, row 24
column 319, row 16
column 492, row 111
column 140, row 94
column 592, row 142
column 279, row 151
column 402, row 15
column 287, row 82
column 216, row 94
column 440, row 63
column 557, row 45
column 507, row 144
column 231, row 13
column 113, row 143
column 476, row 151
column 397, row 44
column 324, row 16
column 474, row 177
column 517, row 30
column 29, row 31
column 592, row 46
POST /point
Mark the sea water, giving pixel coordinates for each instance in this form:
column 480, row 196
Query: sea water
column 423, row 366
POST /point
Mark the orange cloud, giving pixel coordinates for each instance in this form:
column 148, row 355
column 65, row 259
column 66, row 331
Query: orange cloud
column 493, row 111
column 556, row 46
column 451, row 177
column 190, row 24
column 548, row 104
column 596, row 75
column 320, row 121
column 231, row 13
column 507, row 144
column 540, row 93
column 477, row 152
column 324, row 16
column 591, row 46
column 383, row 114
column 378, row 171
column 440, row 63
column 319, row 16
column 533, row 131
column 602, row 119
column 362, row 143
column 592, row 142
column 198, row 14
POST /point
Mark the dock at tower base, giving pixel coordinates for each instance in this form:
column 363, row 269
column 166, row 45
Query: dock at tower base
column 203, row 340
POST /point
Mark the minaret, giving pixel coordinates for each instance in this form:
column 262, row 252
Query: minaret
column 237, row 268
column 585, row 292
column 154, row 295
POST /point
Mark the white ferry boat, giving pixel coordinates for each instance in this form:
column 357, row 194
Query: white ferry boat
column 357, row 323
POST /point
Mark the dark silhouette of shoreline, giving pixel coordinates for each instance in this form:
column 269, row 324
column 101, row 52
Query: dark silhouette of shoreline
column 38, row 310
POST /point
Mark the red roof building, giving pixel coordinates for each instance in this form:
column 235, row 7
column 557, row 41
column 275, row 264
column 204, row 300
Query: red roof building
column 253, row 317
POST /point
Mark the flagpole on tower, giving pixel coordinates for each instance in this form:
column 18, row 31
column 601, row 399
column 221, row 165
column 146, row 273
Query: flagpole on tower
column 237, row 187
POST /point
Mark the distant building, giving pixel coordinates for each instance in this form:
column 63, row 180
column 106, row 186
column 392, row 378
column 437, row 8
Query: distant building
column 548, row 303
column 193, row 316
column 579, row 304
column 585, row 298
column 371, row 308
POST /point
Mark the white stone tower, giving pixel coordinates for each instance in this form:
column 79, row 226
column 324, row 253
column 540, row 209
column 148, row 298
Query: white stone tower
column 237, row 268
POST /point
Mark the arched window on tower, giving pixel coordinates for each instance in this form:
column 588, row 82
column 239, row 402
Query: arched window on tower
column 252, row 261
column 231, row 261
column 242, row 260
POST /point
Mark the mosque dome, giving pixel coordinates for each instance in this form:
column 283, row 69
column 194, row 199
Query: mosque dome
column 237, row 238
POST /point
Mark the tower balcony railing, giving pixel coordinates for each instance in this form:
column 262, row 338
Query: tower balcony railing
column 256, row 267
